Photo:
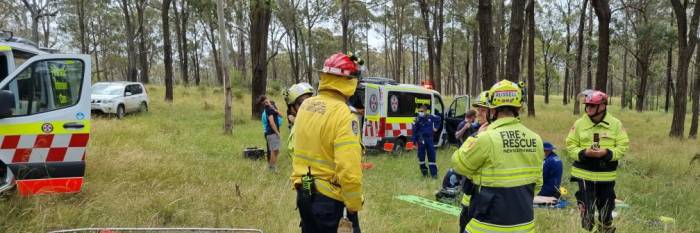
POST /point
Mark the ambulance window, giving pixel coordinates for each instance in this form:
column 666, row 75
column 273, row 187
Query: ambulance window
column 438, row 106
column 405, row 104
column 46, row 86
column 3, row 67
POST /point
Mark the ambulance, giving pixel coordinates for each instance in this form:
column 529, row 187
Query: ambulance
column 391, row 107
column 44, row 118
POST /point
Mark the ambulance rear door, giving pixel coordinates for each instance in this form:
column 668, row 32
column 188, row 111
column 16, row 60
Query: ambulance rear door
column 371, row 126
column 45, row 133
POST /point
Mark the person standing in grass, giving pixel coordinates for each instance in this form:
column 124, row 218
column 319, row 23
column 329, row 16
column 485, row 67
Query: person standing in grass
column 505, row 164
column 596, row 143
column 551, row 172
column 272, row 132
column 326, row 163
column 482, row 108
column 425, row 126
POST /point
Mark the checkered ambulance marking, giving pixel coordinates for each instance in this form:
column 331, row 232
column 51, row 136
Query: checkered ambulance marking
column 43, row 148
column 399, row 129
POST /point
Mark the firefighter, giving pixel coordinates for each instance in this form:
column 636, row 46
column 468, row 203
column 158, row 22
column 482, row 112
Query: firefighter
column 596, row 142
column 482, row 108
column 294, row 96
column 424, row 128
column 327, row 174
column 505, row 164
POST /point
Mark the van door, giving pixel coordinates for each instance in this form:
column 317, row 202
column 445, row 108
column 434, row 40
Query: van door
column 371, row 124
column 455, row 115
column 44, row 139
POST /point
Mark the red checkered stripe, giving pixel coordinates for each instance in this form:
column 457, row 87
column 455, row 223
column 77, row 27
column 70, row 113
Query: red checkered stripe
column 43, row 148
column 371, row 129
column 398, row 129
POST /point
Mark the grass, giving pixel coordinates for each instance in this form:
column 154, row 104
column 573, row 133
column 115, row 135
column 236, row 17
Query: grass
column 173, row 167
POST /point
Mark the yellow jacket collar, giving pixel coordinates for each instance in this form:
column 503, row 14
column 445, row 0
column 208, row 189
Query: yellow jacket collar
column 343, row 85
column 504, row 121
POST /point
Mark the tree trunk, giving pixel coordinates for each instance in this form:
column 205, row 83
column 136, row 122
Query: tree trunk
column 568, row 51
column 425, row 15
column 81, row 27
column 143, row 53
column 623, row 103
column 686, row 46
column 579, row 55
column 488, row 51
column 531, row 59
column 242, row 67
column 184, row 17
column 215, row 53
column 475, row 88
column 545, row 55
column 515, row 37
column 589, row 51
column 695, row 106
column 498, row 37
column 260, row 14
column 643, row 74
column 228, row 119
column 130, row 47
column 344, row 20
column 602, row 10
column 167, row 51
column 669, row 78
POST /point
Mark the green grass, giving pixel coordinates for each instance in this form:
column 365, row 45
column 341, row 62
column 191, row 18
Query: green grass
column 173, row 167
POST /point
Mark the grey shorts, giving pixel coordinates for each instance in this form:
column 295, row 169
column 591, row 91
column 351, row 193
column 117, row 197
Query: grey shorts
column 273, row 141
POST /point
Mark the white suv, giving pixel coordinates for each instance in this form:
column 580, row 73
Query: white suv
column 119, row 98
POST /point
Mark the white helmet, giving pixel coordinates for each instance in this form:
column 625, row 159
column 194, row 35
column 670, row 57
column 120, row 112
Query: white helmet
column 295, row 91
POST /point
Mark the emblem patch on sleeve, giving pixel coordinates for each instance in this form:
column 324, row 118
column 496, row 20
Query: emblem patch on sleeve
column 355, row 127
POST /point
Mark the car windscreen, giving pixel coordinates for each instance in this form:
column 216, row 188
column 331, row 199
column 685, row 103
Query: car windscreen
column 104, row 89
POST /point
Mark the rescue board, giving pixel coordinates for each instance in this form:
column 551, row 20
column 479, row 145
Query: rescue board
column 430, row 204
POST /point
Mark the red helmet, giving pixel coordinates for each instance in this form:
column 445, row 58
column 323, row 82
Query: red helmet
column 341, row 65
column 595, row 97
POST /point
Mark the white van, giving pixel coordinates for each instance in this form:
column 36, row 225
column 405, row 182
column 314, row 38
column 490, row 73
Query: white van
column 44, row 118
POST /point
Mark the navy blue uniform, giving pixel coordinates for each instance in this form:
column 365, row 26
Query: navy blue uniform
column 423, row 134
column 551, row 174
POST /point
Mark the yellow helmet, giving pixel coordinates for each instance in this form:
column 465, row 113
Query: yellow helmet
column 505, row 93
column 481, row 100
column 295, row 91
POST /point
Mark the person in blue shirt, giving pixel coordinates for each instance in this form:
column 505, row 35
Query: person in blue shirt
column 424, row 128
column 551, row 172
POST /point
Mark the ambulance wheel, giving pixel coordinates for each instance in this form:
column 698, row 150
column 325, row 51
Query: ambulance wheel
column 120, row 112
column 6, row 178
column 399, row 146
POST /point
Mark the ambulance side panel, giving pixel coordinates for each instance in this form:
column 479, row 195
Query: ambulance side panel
column 45, row 140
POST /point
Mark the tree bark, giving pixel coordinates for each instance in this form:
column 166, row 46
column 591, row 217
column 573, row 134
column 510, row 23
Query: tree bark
column 82, row 27
column 696, row 105
column 488, row 51
column 130, row 47
column 344, row 20
column 228, row 119
column 143, row 53
column 624, row 81
column 686, row 46
column 568, row 51
column 589, row 51
column 425, row 15
column 669, row 78
column 475, row 88
column 515, row 37
column 531, row 59
column 167, row 51
column 260, row 14
column 602, row 10
column 579, row 55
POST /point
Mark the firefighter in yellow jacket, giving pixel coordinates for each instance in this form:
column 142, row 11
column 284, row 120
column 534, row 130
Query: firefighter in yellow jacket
column 596, row 142
column 327, row 174
column 505, row 164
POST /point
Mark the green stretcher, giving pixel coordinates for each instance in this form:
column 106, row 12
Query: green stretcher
column 430, row 204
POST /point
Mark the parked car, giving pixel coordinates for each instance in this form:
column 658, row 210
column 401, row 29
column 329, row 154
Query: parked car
column 119, row 98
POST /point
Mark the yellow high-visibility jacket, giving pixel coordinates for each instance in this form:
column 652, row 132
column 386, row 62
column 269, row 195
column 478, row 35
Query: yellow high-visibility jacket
column 327, row 140
column 613, row 138
column 505, row 164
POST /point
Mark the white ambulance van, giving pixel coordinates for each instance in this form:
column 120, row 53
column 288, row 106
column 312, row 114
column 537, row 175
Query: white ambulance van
column 44, row 118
